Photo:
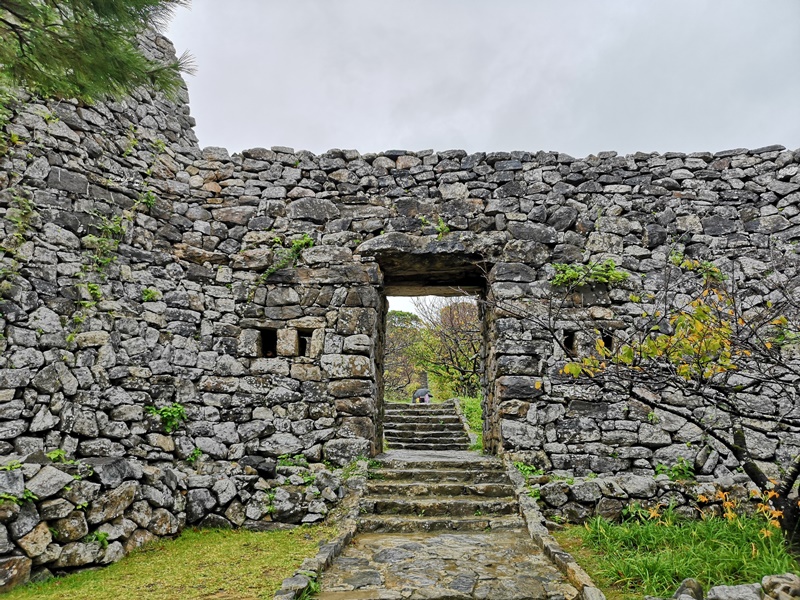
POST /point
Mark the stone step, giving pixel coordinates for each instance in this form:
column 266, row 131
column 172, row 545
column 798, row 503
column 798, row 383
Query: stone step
column 394, row 415
column 395, row 488
column 424, row 435
column 422, row 426
column 439, row 506
column 470, row 463
column 454, row 443
column 429, row 406
column 413, row 524
column 440, row 475
column 432, row 419
column 461, row 440
column 422, row 446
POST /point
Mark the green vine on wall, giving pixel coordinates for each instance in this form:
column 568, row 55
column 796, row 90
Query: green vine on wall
column 576, row 274
column 104, row 245
column 283, row 257
column 20, row 213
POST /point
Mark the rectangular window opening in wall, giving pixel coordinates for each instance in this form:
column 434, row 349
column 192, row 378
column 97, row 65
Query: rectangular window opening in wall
column 304, row 341
column 608, row 338
column 570, row 344
column 269, row 343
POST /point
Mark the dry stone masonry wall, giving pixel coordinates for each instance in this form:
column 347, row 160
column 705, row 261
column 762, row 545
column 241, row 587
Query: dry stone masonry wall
column 142, row 273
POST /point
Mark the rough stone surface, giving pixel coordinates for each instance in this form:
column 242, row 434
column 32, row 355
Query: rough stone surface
column 500, row 565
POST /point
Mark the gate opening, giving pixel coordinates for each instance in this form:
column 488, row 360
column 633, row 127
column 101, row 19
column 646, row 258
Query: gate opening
column 434, row 352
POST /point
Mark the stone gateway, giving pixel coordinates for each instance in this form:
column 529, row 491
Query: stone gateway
column 191, row 336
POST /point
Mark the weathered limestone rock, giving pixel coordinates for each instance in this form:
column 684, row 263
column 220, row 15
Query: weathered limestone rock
column 14, row 571
column 71, row 528
column 163, row 523
column 341, row 452
column 198, row 503
column 77, row 554
column 49, row 481
column 111, row 504
column 36, row 542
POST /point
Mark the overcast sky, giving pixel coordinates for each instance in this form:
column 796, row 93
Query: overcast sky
column 576, row 76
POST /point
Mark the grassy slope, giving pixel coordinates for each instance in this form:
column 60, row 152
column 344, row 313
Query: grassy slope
column 653, row 557
column 474, row 414
column 200, row 564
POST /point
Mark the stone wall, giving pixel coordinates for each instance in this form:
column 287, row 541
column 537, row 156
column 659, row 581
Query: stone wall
column 141, row 271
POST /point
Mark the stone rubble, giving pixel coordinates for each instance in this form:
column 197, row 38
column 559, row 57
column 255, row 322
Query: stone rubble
column 778, row 587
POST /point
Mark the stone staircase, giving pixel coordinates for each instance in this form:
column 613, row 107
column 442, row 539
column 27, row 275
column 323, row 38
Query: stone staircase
column 441, row 525
column 438, row 522
column 423, row 427
column 424, row 491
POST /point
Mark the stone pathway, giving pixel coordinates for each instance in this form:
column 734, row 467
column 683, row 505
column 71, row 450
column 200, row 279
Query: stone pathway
column 442, row 525
column 499, row 565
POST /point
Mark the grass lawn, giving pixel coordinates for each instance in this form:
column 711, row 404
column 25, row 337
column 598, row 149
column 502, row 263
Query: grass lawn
column 205, row 564
column 652, row 556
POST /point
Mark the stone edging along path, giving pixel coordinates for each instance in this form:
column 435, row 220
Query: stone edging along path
column 345, row 518
column 565, row 562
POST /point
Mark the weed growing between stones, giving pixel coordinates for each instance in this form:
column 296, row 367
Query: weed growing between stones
column 287, row 257
column 171, row 416
column 576, row 274
column 528, row 471
column 654, row 549
column 194, row 456
column 150, row 295
column 682, row 470
column 283, row 258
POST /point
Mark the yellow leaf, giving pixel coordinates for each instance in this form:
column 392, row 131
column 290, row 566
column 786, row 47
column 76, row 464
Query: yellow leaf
column 538, row 385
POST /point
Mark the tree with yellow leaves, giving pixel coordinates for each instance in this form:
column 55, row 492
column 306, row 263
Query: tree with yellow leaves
column 689, row 332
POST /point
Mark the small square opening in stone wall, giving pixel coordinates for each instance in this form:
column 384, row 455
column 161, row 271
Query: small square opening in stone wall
column 608, row 338
column 570, row 344
column 304, row 341
column 268, row 348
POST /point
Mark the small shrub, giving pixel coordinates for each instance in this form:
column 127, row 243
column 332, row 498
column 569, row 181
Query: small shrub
column 473, row 412
column 171, row 416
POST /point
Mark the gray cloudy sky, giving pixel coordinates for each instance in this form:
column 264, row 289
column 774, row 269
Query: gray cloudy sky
column 577, row 76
